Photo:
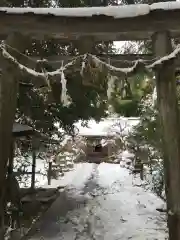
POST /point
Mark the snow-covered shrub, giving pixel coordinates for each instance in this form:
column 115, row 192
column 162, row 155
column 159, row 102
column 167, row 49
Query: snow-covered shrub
column 146, row 135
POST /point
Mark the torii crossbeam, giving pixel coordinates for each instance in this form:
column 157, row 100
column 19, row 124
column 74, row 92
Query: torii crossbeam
column 132, row 22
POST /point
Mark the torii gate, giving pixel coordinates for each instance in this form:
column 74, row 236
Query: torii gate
column 158, row 22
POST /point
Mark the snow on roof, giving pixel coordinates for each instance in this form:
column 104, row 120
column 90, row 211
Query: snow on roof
column 125, row 11
column 165, row 6
column 94, row 128
column 107, row 127
column 17, row 128
column 111, row 11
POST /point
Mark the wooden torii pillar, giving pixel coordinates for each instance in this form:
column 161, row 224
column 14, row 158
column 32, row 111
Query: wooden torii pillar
column 8, row 95
column 169, row 119
column 9, row 82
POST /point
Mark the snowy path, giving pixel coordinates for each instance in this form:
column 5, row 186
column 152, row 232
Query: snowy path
column 100, row 203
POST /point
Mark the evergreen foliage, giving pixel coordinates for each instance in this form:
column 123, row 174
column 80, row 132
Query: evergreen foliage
column 40, row 107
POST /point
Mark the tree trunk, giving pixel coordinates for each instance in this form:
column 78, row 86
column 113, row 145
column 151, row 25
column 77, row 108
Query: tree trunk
column 34, row 148
column 11, row 158
column 49, row 173
column 169, row 120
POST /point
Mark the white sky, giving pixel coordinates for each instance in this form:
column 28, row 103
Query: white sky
column 119, row 44
column 131, row 45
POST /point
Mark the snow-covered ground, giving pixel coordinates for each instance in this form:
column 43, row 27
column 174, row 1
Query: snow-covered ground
column 100, row 203
column 75, row 178
column 110, row 126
